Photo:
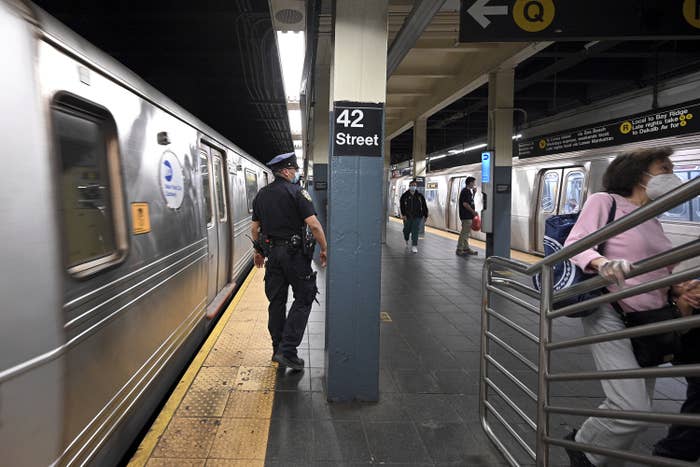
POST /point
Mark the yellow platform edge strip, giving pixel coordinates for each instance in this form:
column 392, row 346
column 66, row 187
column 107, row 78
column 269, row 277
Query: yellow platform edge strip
column 145, row 449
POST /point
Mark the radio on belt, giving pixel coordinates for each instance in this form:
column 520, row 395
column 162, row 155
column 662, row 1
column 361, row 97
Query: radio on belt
column 358, row 129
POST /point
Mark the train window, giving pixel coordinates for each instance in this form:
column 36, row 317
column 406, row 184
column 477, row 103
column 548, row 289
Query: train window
column 573, row 191
column 94, row 229
column 206, row 187
column 550, row 189
column 251, row 187
column 682, row 211
column 695, row 203
column 219, row 187
column 265, row 178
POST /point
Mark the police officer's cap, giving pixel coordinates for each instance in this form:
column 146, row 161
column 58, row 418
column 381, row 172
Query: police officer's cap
column 284, row 161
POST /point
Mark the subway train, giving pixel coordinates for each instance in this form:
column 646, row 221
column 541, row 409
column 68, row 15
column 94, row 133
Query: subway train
column 123, row 236
column 551, row 185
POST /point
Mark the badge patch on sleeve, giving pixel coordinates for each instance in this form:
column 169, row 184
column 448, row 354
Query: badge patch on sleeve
column 306, row 195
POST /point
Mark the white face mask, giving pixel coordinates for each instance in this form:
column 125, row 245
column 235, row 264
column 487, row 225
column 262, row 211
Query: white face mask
column 659, row 185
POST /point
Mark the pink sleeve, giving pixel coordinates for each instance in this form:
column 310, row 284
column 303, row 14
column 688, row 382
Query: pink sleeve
column 593, row 217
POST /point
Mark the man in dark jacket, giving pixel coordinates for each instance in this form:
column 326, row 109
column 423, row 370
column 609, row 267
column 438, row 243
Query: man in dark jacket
column 467, row 212
column 413, row 210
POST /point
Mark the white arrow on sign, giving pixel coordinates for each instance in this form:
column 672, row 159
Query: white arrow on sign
column 479, row 10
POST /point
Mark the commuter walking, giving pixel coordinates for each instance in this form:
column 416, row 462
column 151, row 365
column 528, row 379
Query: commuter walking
column 467, row 213
column 414, row 209
column 281, row 212
column 631, row 180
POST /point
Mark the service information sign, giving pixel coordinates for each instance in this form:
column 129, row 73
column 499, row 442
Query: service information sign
column 670, row 121
column 358, row 129
column 562, row 20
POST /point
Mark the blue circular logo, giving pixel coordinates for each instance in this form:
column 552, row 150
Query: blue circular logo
column 168, row 171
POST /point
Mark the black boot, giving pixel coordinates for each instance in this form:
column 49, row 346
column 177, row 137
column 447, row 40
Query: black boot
column 292, row 361
column 576, row 458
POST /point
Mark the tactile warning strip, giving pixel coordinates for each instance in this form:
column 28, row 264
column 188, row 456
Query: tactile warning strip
column 219, row 414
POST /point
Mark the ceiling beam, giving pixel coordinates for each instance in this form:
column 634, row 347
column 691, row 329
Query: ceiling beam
column 420, row 17
column 589, row 50
column 470, row 76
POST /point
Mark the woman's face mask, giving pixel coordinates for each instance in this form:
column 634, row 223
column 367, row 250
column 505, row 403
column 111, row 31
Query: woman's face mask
column 412, row 188
column 659, row 185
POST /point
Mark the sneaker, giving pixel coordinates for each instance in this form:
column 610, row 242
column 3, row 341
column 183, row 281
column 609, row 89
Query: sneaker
column 461, row 253
column 414, row 249
column 576, row 458
column 472, row 252
column 293, row 362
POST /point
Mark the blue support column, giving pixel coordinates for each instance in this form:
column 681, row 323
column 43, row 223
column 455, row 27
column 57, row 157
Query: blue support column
column 355, row 200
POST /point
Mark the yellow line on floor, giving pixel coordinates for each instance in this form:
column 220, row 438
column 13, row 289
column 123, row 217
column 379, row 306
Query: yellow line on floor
column 143, row 453
column 515, row 254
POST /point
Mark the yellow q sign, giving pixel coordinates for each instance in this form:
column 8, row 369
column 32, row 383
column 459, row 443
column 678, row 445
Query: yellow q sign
column 533, row 15
column 691, row 12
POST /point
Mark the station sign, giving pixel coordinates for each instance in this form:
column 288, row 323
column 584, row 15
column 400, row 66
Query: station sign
column 572, row 20
column 486, row 167
column 680, row 120
column 358, row 129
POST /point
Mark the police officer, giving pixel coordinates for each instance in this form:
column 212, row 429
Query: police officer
column 281, row 212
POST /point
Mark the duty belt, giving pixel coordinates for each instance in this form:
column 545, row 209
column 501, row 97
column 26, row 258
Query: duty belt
column 279, row 242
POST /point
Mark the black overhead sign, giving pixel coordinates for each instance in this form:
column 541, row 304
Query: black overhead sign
column 561, row 20
column 358, row 129
column 678, row 120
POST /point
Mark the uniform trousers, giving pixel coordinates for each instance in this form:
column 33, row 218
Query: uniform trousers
column 411, row 226
column 620, row 394
column 287, row 266
column 463, row 242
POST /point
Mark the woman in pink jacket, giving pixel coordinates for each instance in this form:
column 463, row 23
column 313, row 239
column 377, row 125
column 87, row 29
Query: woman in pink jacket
column 632, row 179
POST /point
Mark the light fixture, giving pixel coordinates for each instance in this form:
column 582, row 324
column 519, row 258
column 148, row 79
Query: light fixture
column 291, row 51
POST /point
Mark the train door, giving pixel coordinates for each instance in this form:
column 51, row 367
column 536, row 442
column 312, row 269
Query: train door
column 560, row 191
column 456, row 185
column 222, row 219
column 210, row 213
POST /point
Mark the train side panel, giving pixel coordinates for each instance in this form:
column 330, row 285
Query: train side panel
column 125, row 324
column 31, row 324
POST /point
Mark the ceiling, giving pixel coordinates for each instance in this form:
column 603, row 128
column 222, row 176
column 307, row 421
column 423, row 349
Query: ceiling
column 446, row 81
column 217, row 59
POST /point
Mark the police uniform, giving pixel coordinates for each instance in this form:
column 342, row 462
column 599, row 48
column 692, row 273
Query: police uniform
column 281, row 208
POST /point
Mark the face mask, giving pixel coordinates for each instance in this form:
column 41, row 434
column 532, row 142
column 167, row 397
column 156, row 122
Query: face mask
column 659, row 185
column 412, row 188
column 296, row 178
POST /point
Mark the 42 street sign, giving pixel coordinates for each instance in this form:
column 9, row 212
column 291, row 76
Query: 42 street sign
column 561, row 20
column 358, row 129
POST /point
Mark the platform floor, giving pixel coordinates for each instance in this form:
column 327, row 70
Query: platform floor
column 235, row 408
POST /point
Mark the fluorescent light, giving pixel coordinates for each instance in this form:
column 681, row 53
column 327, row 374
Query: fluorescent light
column 518, row 136
column 478, row 146
column 438, row 157
column 455, row 151
column 291, row 51
column 295, row 122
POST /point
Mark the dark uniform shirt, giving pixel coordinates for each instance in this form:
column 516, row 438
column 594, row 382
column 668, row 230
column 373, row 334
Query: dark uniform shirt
column 281, row 208
column 466, row 196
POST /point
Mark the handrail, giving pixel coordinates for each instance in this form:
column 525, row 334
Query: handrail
column 668, row 201
column 513, row 290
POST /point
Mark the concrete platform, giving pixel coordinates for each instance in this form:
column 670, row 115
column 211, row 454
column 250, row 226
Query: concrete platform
column 234, row 407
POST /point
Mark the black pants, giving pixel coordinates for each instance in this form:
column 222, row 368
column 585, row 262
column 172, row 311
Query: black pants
column 683, row 442
column 285, row 267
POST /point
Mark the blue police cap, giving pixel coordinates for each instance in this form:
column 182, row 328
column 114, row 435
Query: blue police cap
column 283, row 161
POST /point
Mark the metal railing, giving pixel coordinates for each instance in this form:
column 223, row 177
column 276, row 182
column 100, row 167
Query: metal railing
column 499, row 284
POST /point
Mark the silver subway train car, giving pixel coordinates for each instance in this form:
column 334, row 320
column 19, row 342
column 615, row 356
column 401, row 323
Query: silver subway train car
column 123, row 223
column 546, row 186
